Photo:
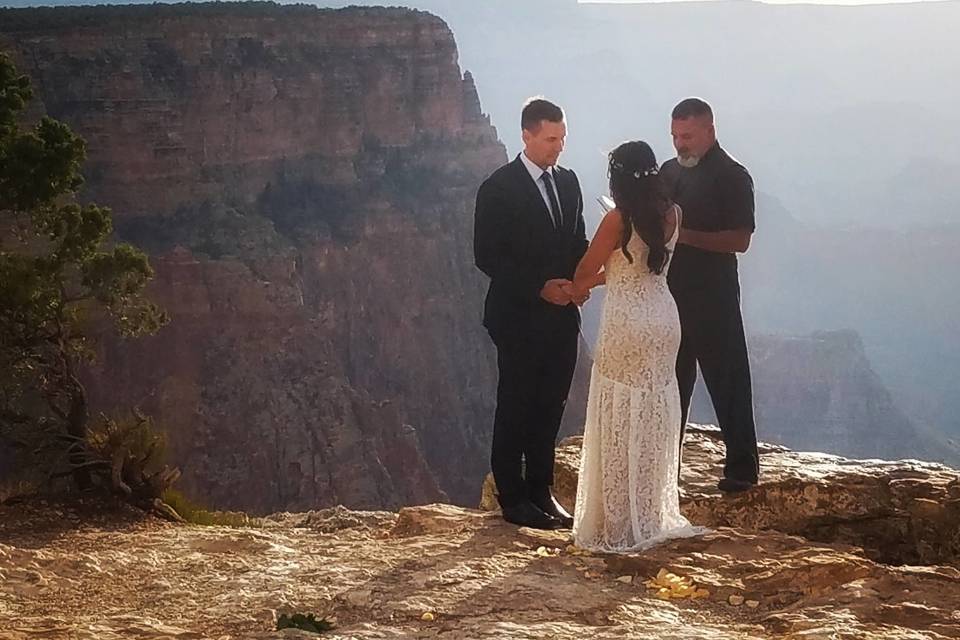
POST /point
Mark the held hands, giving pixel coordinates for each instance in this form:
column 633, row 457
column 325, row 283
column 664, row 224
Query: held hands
column 562, row 292
column 577, row 296
column 554, row 291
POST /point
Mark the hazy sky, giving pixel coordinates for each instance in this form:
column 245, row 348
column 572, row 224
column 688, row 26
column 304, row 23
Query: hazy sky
column 843, row 2
column 28, row 3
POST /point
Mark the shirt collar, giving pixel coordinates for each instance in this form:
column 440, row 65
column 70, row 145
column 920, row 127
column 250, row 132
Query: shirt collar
column 712, row 152
column 535, row 171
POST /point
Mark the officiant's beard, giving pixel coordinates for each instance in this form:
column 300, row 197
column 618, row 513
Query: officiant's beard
column 688, row 161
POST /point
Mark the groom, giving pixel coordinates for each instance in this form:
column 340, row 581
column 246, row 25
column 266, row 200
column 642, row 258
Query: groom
column 528, row 238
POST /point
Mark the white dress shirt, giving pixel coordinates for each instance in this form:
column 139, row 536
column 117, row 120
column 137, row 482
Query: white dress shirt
column 536, row 173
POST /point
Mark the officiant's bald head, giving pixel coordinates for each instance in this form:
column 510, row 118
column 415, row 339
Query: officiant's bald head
column 693, row 131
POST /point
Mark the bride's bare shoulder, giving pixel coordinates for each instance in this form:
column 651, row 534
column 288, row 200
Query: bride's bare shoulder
column 613, row 218
column 610, row 229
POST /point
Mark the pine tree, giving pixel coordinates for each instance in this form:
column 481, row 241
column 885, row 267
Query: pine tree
column 60, row 276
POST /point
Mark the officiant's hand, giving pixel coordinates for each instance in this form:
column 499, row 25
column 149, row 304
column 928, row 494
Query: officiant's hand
column 555, row 291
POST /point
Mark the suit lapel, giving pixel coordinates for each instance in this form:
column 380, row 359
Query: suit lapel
column 532, row 192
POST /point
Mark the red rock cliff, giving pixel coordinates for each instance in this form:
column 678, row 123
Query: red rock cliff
column 304, row 180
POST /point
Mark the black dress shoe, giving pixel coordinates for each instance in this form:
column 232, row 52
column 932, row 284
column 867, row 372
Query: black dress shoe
column 551, row 507
column 526, row 514
column 730, row 485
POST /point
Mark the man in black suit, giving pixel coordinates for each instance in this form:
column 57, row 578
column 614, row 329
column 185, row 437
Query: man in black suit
column 528, row 238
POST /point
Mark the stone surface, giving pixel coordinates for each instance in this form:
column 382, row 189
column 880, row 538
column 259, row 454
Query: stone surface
column 441, row 571
column 902, row 512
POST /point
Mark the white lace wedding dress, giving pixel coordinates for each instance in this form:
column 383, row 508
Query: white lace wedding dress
column 627, row 492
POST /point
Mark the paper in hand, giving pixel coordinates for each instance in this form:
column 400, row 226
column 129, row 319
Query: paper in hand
column 606, row 203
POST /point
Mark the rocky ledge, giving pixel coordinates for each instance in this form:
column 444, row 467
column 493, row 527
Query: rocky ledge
column 825, row 548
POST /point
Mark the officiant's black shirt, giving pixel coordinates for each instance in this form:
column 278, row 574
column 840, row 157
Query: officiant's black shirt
column 715, row 195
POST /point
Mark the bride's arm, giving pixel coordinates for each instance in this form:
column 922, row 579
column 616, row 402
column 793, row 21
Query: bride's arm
column 589, row 273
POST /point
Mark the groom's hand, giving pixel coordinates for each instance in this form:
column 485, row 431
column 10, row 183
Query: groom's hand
column 555, row 292
column 577, row 297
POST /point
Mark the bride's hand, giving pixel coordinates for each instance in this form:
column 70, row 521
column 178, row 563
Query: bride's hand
column 578, row 295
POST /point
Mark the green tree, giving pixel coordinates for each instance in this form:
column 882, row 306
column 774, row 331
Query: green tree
column 60, row 277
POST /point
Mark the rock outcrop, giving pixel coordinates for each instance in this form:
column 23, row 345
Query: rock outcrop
column 812, row 553
column 304, row 181
column 904, row 512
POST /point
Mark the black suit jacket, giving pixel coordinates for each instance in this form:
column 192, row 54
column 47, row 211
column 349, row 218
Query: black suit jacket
column 516, row 244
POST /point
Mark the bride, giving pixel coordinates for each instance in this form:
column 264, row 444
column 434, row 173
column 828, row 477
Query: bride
column 627, row 493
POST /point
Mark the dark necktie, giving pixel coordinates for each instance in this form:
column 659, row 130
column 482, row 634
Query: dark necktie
column 555, row 211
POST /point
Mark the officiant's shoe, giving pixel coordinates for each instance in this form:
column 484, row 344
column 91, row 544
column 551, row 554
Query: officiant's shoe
column 730, row 485
column 526, row 514
column 551, row 507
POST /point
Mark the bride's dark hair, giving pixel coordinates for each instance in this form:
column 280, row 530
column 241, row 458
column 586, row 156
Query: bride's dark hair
column 640, row 196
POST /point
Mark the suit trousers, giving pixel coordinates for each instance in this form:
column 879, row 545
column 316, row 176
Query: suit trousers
column 535, row 372
column 712, row 336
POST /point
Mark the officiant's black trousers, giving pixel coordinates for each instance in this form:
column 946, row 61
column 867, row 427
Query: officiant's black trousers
column 712, row 335
column 535, row 375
